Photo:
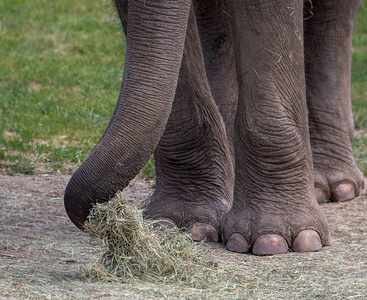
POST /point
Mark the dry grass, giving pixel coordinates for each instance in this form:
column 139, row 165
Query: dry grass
column 134, row 247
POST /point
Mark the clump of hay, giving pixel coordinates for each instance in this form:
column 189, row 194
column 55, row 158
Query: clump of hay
column 138, row 248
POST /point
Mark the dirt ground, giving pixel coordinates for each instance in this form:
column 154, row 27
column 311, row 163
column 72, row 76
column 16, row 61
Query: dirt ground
column 42, row 255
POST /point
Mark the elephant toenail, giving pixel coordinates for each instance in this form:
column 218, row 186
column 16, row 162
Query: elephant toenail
column 164, row 224
column 203, row 232
column 237, row 243
column 269, row 244
column 307, row 241
column 343, row 192
column 320, row 195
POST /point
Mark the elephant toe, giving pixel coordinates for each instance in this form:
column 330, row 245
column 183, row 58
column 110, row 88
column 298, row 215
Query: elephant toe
column 338, row 186
column 237, row 243
column 270, row 244
column 307, row 241
column 203, row 232
column 344, row 192
column 320, row 195
column 165, row 223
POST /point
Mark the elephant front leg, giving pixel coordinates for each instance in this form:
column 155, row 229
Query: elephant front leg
column 274, row 205
column 194, row 173
column 328, row 48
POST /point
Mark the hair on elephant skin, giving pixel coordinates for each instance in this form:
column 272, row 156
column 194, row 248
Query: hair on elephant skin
column 246, row 106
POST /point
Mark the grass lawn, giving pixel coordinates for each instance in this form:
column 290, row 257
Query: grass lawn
column 61, row 65
column 359, row 87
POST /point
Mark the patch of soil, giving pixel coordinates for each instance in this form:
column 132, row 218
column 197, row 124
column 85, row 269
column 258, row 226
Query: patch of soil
column 42, row 255
column 40, row 249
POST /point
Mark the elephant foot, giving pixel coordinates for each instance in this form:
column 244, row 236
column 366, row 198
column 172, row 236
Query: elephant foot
column 199, row 218
column 203, row 232
column 249, row 231
column 165, row 223
column 270, row 244
column 338, row 186
column 199, row 232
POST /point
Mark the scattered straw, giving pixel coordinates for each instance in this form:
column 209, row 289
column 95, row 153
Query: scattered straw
column 138, row 248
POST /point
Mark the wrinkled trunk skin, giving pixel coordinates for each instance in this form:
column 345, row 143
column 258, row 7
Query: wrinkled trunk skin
column 157, row 28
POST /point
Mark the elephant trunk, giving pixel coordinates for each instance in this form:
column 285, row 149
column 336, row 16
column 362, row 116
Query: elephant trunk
column 155, row 39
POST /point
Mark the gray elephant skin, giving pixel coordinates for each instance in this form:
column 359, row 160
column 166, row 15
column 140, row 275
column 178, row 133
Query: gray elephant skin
column 247, row 108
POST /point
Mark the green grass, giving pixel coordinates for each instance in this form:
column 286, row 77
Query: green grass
column 359, row 69
column 61, row 65
column 359, row 87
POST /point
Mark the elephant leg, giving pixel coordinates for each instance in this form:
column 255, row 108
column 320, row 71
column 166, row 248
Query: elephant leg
column 328, row 49
column 194, row 173
column 217, row 42
column 274, row 206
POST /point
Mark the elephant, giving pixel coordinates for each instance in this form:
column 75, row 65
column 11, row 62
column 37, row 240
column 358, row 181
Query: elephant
column 246, row 106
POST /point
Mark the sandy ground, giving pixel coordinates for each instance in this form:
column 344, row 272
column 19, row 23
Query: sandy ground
column 42, row 255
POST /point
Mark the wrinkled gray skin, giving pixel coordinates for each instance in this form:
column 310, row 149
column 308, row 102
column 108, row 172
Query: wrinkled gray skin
column 246, row 106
